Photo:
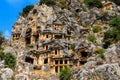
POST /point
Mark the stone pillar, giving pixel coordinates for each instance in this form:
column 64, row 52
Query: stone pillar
column 53, row 36
column 58, row 69
column 49, row 62
column 32, row 40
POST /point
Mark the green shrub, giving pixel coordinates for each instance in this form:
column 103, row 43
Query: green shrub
column 83, row 7
column 47, row 2
column 112, row 35
column 72, row 46
column 2, row 55
column 91, row 38
column 101, row 53
column 116, row 1
column 1, row 39
column 10, row 60
column 26, row 10
column 115, row 22
column 65, row 74
column 94, row 3
column 96, row 29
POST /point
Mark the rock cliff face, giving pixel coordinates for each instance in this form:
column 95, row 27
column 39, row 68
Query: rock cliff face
column 53, row 37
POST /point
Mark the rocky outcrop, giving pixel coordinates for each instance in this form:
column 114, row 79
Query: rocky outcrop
column 53, row 37
column 103, row 72
column 6, row 74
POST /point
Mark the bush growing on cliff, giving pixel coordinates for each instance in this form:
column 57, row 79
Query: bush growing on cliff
column 72, row 46
column 101, row 53
column 94, row 3
column 47, row 2
column 1, row 55
column 10, row 60
column 1, row 39
column 26, row 10
column 65, row 74
column 113, row 35
column 91, row 38
column 116, row 1
column 96, row 29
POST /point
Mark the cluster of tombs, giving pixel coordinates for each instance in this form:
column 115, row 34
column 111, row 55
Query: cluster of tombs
column 52, row 50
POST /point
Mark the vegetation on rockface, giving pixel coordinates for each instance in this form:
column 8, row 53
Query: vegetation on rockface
column 91, row 38
column 96, row 29
column 112, row 35
column 116, row 1
column 47, row 2
column 101, row 52
column 60, row 3
column 1, row 39
column 26, row 10
column 10, row 60
column 72, row 46
column 65, row 74
column 94, row 3
column 83, row 7
column 1, row 55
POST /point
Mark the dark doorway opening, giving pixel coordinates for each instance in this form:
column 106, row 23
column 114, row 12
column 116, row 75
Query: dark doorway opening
column 83, row 62
column 46, row 61
column 61, row 61
column 58, row 36
column 56, row 61
column 29, row 60
column 65, row 61
column 56, row 69
column 84, row 54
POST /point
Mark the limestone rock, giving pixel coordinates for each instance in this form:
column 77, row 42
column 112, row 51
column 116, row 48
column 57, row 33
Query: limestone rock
column 7, row 73
column 21, row 76
column 103, row 72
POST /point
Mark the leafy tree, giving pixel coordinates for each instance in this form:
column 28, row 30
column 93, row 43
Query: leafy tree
column 94, row 3
column 1, row 55
column 26, row 10
column 115, row 22
column 112, row 35
column 10, row 60
column 116, row 1
column 1, row 39
column 47, row 2
column 65, row 74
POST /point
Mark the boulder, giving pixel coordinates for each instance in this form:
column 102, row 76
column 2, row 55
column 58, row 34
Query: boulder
column 103, row 72
column 7, row 74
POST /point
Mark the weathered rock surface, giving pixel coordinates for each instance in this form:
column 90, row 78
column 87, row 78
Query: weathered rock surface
column 6, row 74
column 102, row 72
column 78, row 25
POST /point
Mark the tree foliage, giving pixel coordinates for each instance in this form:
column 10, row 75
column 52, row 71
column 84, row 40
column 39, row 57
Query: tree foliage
column 94, row 3
column 26, row 10
column 47, row 2
column 113, row 35
column 65, row 74
column 1, row 39
column 116, row 1
column 1, row 55
column 10, row 60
